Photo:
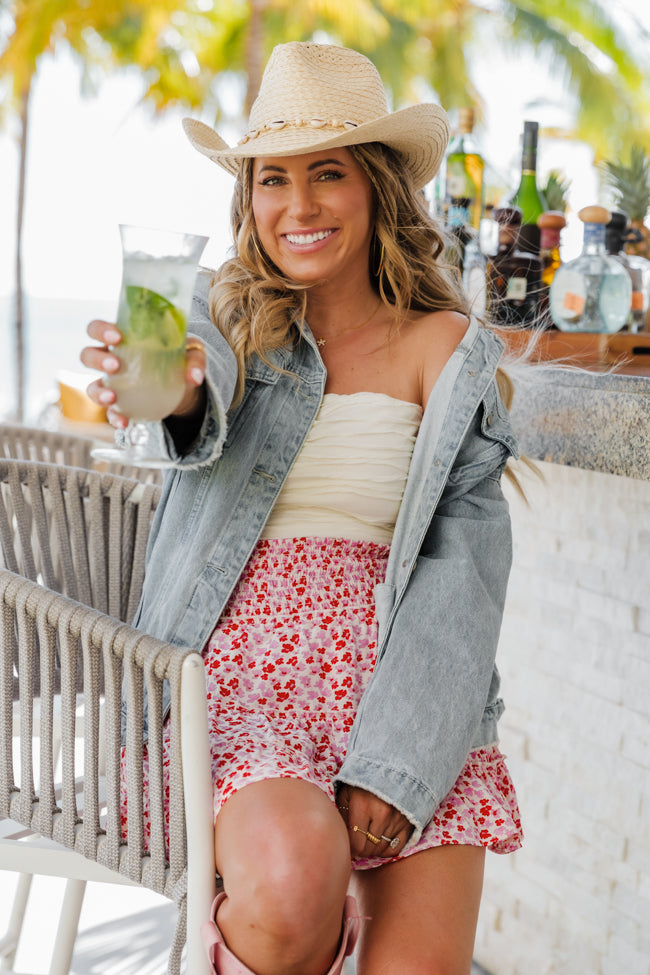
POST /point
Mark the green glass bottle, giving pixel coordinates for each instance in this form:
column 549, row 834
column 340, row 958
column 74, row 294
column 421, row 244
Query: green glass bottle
column 527, row 196
column 465, row 167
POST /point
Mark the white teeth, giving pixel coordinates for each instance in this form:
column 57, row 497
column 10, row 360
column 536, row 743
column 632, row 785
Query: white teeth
column 308, row 238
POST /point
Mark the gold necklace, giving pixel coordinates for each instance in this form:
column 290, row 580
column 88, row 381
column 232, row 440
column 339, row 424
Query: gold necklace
column 353, row 328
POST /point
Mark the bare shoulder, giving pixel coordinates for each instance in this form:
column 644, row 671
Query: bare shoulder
column 438, row 328
column 436, row 335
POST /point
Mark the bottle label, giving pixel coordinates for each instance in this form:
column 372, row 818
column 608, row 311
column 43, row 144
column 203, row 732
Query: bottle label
column 638, row 301
column 573, row 303
column 458, row 184
column 568, row 297
column 516, row 289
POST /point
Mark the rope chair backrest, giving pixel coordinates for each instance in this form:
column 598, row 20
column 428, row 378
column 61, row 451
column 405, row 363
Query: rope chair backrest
column 48, row 446
column 79, row 533
column 66, row 449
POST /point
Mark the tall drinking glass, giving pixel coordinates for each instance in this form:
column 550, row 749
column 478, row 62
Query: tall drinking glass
column 159, row 271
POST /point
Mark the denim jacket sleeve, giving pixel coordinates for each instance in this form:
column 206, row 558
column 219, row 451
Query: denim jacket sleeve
column 423, row 709
column 220, row 379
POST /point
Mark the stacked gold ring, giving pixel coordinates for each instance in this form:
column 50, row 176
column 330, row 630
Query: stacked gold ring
column 371, row 836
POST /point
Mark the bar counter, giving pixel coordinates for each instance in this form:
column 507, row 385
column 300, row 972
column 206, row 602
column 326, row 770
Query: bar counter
column 582, row 400
column 574, row 657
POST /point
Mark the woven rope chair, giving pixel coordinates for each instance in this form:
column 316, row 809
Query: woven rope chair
column 57, row 447
column 73, row 548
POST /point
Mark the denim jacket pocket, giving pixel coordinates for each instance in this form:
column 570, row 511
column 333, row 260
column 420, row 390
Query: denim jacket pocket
column 495, row 421
column 490, row 460
column 204, row 596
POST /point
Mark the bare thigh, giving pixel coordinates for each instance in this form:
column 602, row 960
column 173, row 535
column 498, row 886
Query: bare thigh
column 422, row 912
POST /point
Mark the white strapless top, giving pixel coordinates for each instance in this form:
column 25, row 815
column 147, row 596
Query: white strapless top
column 349, row 478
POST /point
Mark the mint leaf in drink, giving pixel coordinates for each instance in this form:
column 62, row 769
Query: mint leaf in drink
column 153, row 319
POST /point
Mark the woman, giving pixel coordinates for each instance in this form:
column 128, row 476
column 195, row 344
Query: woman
column 335, row 537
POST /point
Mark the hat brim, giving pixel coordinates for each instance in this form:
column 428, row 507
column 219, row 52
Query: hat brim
column 419, row 133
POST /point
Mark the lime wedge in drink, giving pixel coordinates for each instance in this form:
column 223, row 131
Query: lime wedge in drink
column 153, row 320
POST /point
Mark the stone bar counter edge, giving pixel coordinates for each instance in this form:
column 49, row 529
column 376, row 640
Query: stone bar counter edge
column 597, row 421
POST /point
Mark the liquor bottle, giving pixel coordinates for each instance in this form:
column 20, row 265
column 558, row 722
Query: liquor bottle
column 488, row 232
column 475, row 277
column 551, row 223
column 617, row 234
column 592, row 293
column 465, row 168
column 527, row 196
column 460, row 231
column 513, row 276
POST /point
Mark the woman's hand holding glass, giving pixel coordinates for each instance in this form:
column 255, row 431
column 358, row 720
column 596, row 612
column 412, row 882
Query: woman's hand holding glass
column 103, row 359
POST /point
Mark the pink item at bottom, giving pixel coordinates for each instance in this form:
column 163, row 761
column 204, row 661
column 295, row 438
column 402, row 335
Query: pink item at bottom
column 225, row 963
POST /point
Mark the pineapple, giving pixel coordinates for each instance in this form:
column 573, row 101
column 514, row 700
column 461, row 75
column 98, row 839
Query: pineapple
column 631, row 189
column 556, row 191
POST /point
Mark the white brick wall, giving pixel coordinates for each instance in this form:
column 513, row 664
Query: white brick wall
column 575, row 662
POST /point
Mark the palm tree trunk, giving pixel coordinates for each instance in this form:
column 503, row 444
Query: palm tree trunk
column 254, row 51
column 19, row 324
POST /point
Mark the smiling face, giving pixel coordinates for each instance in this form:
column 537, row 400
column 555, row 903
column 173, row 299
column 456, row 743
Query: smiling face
column 314, row 215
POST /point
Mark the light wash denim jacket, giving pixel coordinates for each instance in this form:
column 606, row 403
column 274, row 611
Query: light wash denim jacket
column 433, row 695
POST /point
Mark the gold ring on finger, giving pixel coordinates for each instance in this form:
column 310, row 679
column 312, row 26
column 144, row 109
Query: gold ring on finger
column 373, row 839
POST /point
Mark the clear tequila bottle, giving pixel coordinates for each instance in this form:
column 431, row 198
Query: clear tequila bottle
column 617, row 234
column 592, row 293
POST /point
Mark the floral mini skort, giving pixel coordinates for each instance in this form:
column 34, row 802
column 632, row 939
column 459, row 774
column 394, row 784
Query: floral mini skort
column 285, row 670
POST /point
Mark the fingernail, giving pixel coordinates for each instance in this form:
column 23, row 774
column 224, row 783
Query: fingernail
column 197, row 375
column 110, row 363
column 116, row 419
column 112, row 337
column 107, row 396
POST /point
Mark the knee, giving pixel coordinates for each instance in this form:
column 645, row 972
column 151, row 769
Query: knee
column 288, row 865
column 301, row 867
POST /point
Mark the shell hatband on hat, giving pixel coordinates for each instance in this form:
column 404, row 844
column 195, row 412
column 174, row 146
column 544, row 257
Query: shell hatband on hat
column 316, row 123
column 316, row 96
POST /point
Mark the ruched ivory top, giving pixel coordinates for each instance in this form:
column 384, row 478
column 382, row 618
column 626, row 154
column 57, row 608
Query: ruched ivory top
column 349, row 477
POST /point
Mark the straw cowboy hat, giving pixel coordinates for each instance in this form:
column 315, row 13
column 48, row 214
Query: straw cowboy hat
column 319, row 96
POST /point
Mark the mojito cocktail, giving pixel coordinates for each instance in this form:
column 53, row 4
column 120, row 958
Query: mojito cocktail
column 159, row 271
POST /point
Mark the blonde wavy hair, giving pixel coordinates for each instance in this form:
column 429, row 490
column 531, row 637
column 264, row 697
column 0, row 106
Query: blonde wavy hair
column 258, row 308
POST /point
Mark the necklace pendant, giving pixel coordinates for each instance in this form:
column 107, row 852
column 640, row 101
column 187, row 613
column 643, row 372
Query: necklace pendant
column 320, row 343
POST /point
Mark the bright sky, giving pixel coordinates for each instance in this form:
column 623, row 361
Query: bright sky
column 95, row 162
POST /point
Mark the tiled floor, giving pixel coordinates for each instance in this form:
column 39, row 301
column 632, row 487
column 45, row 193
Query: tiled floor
column 122, row 931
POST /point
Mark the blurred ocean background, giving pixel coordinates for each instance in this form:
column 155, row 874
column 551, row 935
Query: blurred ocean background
column 55, row 331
